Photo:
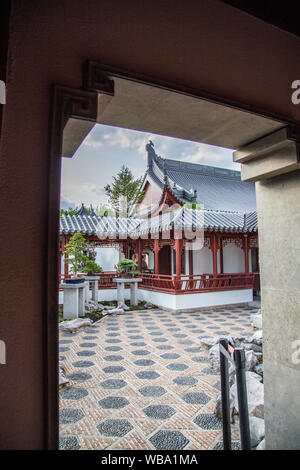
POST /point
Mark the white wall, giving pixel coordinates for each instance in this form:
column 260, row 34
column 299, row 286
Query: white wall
column 186, row 262
column 150, row 260
column 233, row 259
column 107, row 257
column 203, row 261
column 198, row 300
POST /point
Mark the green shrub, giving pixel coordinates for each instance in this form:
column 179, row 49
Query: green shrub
column 91, row 267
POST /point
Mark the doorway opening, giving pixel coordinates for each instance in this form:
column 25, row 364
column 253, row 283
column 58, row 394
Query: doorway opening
column 116, row 411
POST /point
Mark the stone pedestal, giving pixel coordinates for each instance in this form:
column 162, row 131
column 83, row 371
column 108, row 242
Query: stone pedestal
column 86, row 290
column 74, row 297
column 133, row 289
column 94, row 281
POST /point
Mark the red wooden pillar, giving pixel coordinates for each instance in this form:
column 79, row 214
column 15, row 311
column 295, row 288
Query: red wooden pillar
column 139, row 254
column 215, row 254
column 221, row 256
column 66, row 257
column 156, row 249
column 246, row 250
column 178, row 248
column 191, row 266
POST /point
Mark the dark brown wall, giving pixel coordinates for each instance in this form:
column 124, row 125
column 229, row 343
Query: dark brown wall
column 203, row 44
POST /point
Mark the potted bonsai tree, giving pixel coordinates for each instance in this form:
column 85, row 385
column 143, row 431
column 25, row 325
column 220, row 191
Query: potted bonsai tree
column 91, row 268
column 75, row 249
column 126, row 268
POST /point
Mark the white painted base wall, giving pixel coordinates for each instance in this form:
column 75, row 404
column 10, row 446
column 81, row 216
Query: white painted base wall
column 181, row 302
column 198, row 300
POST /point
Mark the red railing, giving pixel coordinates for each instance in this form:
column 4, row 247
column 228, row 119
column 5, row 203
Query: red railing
column 106, row 280
column 185, row 283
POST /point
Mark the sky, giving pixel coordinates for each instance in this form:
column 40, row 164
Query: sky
column 104, row 151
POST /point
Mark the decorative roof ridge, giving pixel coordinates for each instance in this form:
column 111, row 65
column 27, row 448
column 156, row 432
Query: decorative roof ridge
column 226, row 212
column 186, row 166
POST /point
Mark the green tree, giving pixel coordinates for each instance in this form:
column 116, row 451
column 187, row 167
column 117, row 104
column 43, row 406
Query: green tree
column 75, row 249
column 69, row 211
column 103, row 210
column 124, row 192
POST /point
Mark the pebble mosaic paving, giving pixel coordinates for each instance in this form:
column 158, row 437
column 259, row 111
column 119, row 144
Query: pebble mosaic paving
column 140, row 381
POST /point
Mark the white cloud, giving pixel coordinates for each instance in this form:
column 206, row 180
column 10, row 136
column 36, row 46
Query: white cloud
column 210, row 155
column 78, row 192
column 92, row 142
column 84, row 176
column 77, row 184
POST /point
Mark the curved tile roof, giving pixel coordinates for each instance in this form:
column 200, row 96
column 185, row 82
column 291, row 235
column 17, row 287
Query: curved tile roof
column 218, row 189
column 105, row 227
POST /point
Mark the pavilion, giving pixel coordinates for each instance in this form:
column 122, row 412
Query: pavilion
column 183, row 204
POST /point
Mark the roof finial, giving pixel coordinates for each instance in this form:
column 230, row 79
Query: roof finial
column 151, row 154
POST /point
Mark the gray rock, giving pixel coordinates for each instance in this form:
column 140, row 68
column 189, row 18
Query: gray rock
column 214, row 356
column 63, row 381
column 122, row 305
column 92, row 306
column 253, row 375
column 261, row 445
column 214, row 351
column 257, row 338
column 113, row 311
column 253, row 347
column 257, row 430
column 74, row 325
column 251, row 360
column 259, row 369
column 218, row 407
column 148, row 305
column 208, row 342
column 255, row 394
column 256, row 321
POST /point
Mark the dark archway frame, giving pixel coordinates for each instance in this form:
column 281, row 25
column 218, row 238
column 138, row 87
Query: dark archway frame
column 81, row 104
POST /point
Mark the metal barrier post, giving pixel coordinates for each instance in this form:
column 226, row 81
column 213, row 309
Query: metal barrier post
column 239, row 359
column 225, row 397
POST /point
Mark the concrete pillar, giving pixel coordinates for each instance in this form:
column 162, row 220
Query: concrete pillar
column 273, row 163
column 87, row 290
column 81, row 299
column 133, row 293
column 120, row 292
column 73, row 306
column 94, row 281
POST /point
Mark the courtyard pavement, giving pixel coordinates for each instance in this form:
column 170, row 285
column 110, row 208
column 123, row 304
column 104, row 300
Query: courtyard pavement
column 140, row 381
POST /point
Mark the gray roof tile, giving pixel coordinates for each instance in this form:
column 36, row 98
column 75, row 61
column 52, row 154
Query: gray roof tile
column 216, row 188
column 110, row 227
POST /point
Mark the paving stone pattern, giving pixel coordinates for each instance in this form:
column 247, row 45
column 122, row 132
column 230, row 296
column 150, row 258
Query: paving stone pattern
column 145, row 383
